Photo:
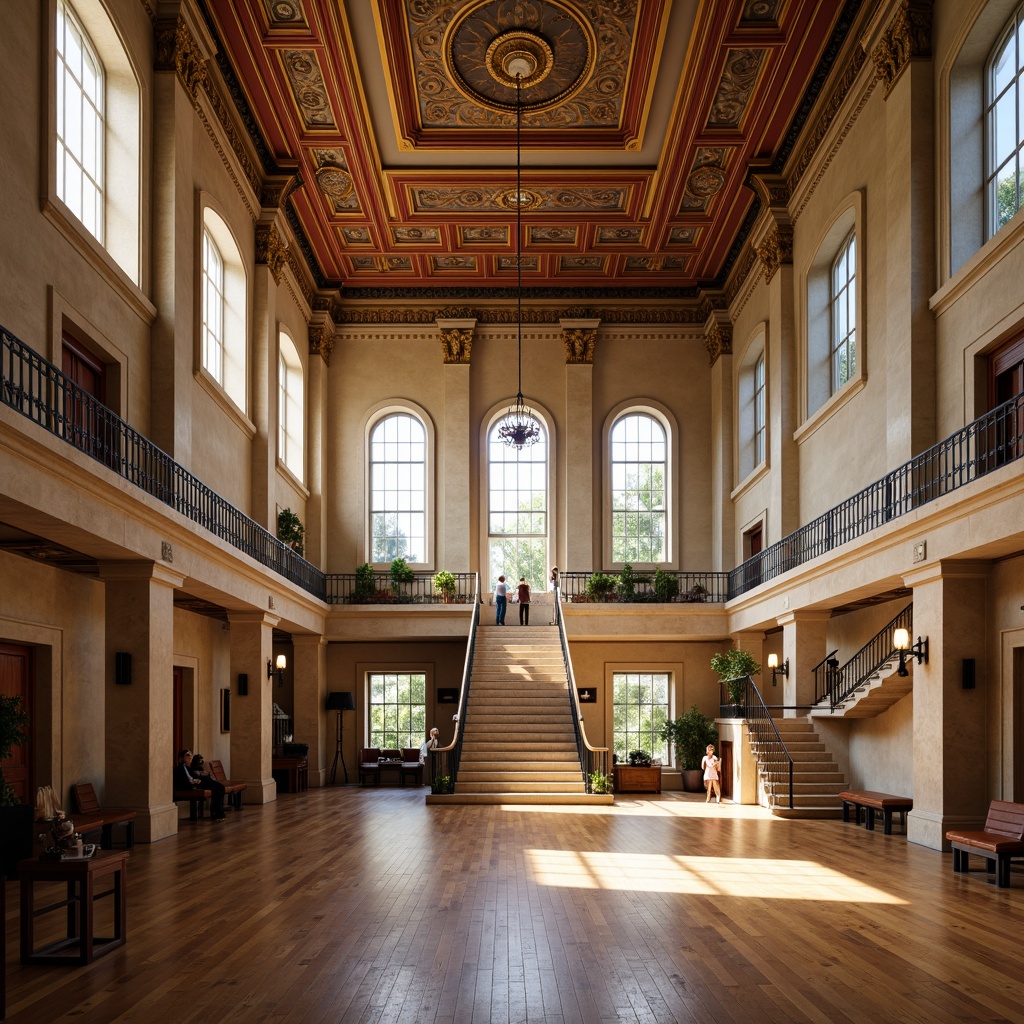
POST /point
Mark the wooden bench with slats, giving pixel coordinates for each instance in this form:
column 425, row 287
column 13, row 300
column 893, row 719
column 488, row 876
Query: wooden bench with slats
column 1001, row 840
column 872, row 801
column 87, row 804
column 232, row 790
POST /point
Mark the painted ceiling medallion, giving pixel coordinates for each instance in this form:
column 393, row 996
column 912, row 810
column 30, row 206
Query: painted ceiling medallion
column 487, row 43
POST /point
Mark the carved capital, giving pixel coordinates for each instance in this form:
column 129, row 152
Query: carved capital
column 907, row 37
column 456, row 344
column 579, row 344
column 275, row 189
column 718, row 336
column 178, row 51
column 321, row 337
column 776, row 249
column 271, row 249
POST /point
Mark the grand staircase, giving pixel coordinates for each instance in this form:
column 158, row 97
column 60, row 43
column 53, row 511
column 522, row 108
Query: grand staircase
column 518, row 742
column 817, row 781
column 875, row 694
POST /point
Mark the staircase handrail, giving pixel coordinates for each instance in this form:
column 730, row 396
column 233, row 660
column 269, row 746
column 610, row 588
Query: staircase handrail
column 771, row 747
column 593, row 760
column 444, row 761
column 822, row 672
column 868, row 660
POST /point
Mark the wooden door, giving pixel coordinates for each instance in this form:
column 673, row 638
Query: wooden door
column 725, row 768
column 16, row 666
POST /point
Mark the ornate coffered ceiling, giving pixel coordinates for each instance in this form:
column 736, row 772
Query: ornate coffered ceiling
column 641, row 119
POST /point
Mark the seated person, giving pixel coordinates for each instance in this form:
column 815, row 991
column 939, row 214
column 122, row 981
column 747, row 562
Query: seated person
column 186, row 776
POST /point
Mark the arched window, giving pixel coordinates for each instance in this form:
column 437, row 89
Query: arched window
column 398, row 489
column 290, row 406
column 518, row 519
column 223, row 315
column 1004, row 123
column 94, row 171
column 639, row 491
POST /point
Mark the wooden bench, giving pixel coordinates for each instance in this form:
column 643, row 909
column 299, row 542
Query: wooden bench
column 232, row 790
column 87, row 804
column 196, row 801
column 871, row 802
column 412, row 766
column 999, row 842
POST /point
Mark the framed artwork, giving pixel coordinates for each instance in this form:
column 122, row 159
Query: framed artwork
column 587, row 694
column 447, row 695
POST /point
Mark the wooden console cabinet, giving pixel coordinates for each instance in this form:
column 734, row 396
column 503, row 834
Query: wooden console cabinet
column 630, row 779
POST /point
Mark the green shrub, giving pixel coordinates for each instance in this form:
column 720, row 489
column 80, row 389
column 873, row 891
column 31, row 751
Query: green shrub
column 666, row 586
column 400, row 572
column 600, row 586
column 366, row 582
column 733, row 667
column 291, row 531
column 690, row 734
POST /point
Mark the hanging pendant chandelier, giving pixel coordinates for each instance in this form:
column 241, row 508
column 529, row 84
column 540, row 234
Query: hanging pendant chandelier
column 519, row 429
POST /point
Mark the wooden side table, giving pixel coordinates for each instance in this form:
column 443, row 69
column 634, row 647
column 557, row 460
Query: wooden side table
column 293, row 771
column 82, row 877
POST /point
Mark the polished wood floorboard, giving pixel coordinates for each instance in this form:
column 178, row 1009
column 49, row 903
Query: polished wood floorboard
column 364, row 905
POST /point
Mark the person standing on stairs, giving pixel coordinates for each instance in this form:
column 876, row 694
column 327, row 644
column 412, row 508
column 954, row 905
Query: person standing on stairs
column 500, row 601
column 524, row 602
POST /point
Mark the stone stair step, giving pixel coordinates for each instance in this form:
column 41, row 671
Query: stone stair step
column 520, row 776
column 519, row 787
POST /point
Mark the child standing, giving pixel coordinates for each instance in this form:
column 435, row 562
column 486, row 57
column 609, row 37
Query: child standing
column 709, row 762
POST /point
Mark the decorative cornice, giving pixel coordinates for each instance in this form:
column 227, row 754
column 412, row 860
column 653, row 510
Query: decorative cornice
column 579, row 344
column 393, row 314
column 271, row 249
column 718, row 336
column 178, row 51
column 456, row 344
column 776, row 249
column 907, row 37
column 321, row 337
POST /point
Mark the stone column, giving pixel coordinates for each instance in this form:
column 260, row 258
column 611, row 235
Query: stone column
column 252, row 733
column 949, row 784
column 313, row 725
column 583, row 543
column 321, row 344
column 139, row 716
column 718, row 342
column 453, row 499
column 899, row 41
column 752, row 641
column 804, row 644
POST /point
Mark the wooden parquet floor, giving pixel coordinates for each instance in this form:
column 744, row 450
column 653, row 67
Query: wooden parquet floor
column 350, row 905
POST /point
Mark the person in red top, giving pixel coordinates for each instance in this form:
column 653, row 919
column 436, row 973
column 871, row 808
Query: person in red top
column 524, row 601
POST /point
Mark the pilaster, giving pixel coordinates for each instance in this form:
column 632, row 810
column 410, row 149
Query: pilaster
column 313, row 725
column 718, row 335
column 582, row 541
column 804, row 644
column 454, row 504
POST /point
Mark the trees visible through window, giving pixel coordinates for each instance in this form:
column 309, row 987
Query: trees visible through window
column 213, row 309
column 640, row 709
column 1004, row 121
column 398, row 709
column 290, row 411
column 517, row 521
column 639, row 452
column 81, row 129
column 398, row 489
column 843, row 295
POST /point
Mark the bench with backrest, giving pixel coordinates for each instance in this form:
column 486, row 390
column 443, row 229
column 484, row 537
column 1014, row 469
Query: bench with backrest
column 412, row 766
column 999, row 842
column 196, row 799
column 872, row 801
column 369, row 766
column 232, row 790
column 88, row 805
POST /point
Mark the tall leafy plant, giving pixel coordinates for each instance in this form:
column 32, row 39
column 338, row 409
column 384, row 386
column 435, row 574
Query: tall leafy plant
column 690, row 734
column 733, row 667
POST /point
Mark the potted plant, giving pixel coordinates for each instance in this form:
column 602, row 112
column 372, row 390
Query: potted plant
column 291, row 531
column 15, row 817
column 600, row 587
column 365, row 583
column 627, row 583
column 733, row 667
column 600, row 783
column 444, row 583
column 401, row 574
column 666, row 586
column 690, row 734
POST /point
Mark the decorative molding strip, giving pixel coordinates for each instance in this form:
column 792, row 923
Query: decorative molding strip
column 178, row 51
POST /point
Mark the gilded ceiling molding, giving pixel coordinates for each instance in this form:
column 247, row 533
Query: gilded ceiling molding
column 907, row 37
column 739, row 76
column 177, row 50
column 386, row 313
column 579, row 344
column 775, row 250
column 456, row 344
column 718, row 336
column 321, row 337
column 271, row 249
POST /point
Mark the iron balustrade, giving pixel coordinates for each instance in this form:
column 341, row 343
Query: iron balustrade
column 773, row 757
column 992, row 440
column 839, row 683
column 690, row 588
column 349, row 588
column 822, row 674
column 593, row 760
column 39, row 391
column 444, row 761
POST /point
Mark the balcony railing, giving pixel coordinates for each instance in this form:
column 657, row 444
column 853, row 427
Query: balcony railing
column 990, row 441
column 351, row 588
column 39, row 391
column 646, row 587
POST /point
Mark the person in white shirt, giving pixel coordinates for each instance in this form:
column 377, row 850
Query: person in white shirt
column 500, row 601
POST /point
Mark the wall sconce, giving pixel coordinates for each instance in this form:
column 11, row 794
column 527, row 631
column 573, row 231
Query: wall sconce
column 777, row 669
column 901, row 642
column 276, row 668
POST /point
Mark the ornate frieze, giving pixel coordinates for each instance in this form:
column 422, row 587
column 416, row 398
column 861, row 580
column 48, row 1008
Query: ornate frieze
column 271, row 249
column 776, row 249
column 579, row 344
column 178, row 51
column 907, row 37
column 434, row 199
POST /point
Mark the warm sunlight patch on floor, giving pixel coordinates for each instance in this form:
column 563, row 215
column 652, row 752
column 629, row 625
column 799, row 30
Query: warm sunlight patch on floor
column 707, row 876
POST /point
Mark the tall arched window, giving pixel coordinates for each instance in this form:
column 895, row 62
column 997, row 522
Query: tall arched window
column 1004, row 121
column 639, row 454
column 518, row 518
column 223, row 314
column 398, row 489
column 290, row 406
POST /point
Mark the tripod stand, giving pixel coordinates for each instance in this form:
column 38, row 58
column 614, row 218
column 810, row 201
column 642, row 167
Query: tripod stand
column 341, row 702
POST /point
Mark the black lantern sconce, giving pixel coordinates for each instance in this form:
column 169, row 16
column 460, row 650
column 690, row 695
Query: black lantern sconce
column 901, row 642
column 276, row 668
column 777, row 669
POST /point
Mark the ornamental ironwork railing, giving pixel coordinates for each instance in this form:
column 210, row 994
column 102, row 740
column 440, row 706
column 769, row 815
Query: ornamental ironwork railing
column 34, row 387
column 380, row 588
column 593, row 760
column 992, row 440
column 774, row 761
column 656, row 587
